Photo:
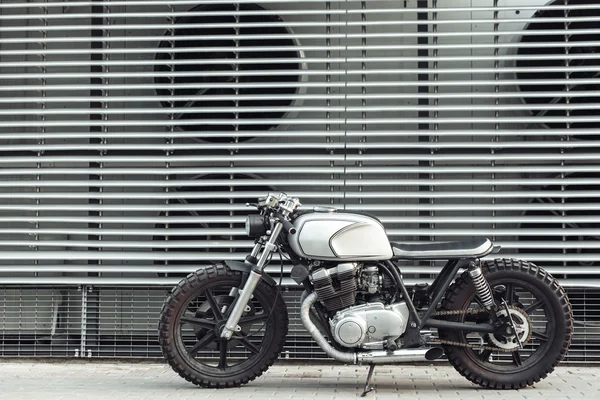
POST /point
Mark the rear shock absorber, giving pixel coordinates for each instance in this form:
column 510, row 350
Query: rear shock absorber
column 481, row 285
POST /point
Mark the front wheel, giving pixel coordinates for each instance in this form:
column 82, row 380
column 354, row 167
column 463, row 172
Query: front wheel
column 193, row 316
column 542, row 316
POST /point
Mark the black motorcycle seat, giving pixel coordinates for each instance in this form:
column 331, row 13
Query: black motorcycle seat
column 478, row 247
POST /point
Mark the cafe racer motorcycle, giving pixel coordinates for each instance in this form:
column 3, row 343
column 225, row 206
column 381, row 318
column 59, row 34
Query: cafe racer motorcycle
column 502, row 323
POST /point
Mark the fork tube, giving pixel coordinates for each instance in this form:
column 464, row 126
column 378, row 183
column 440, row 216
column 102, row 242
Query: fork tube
column 254, row 277
column 269, row 248
column 256, row 249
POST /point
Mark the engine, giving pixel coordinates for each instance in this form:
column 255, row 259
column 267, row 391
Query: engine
column 336, row 287
column 370, row 325
column 352, row 293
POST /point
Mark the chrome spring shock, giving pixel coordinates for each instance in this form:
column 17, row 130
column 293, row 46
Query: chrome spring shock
column 481, row 285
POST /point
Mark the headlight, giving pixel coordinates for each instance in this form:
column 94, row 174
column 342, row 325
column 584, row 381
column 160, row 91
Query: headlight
column 255, row 226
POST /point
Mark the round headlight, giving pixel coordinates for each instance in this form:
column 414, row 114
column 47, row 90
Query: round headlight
column 247, row 225
column 255, row 226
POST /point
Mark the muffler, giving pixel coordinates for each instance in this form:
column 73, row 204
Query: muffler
column 370, row 357
column 399, row 356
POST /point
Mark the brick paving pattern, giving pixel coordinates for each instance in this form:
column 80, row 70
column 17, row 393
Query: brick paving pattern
column 96, row 380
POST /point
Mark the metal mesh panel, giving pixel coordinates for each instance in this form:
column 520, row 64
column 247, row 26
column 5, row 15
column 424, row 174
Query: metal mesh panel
column 120, row 322
column 132, row 132
column 40, row 321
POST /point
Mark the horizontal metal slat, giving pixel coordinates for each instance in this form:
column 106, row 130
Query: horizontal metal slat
column 155, row 245
column 351, row 195
column 175, row 14
column 296, row 121
column 459, row 232
column 245, row 245
column 170, row 282
column 174, row 147
column 474, row 157
column 307, row 11
column 302, row 145
column 314, row 24
column 553, row 218
column 273, row 158
column 455, row 8
column 570, row 49
column 296, row 182
column 303, row 170
column 350, row 84
column 201, row 111
column 298, row 96
column 332, row 35
column 145, row 3
column 273, row 269
column 300, row 133
column 189, row 196
column 192, row 134
column 191, row 170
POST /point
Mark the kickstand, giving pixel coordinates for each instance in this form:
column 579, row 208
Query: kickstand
column 368, row 387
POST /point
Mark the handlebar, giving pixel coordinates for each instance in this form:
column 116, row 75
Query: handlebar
column 282, row 206
column 287, row 226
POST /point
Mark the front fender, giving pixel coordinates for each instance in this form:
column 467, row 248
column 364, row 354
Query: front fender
column 246, row 268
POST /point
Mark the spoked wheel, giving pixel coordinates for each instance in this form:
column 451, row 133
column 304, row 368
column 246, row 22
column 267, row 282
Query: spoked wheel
column 194, row 315
column 542, row 318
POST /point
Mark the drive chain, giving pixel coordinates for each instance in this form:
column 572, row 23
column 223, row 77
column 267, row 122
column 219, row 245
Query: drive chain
column 472, row 311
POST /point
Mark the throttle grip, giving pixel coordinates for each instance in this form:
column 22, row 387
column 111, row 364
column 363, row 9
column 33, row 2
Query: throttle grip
column 288, row 226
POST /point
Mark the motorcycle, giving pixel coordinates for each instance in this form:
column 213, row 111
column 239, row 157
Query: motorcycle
column 502, row 323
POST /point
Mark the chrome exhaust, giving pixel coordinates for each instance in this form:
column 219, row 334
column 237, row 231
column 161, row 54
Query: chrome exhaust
column 371, row 357
column 348, row 358
column 399, row 356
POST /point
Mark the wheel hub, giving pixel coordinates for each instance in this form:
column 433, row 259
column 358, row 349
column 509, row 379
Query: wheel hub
column 508, row 340
column 204, row 311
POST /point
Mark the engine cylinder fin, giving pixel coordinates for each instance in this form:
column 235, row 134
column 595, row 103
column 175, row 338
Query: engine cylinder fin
column 336, row 287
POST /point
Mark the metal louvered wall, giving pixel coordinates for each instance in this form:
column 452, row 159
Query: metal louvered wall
column 133, row 132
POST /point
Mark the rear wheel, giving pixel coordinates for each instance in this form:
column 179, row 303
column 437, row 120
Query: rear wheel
column 193, row 316
column 541, row 313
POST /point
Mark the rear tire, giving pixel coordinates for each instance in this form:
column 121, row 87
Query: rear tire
column 547, row 297
column 186, row 300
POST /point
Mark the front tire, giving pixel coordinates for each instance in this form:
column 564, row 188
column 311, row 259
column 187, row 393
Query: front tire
column 547, row 308
column 191, row 319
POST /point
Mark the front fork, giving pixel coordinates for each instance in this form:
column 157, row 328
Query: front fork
column 245, row 293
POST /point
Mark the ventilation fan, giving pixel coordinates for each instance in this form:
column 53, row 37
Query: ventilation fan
column 583, row 306
column 555, row 44
column 260, row 88
column 256, row 191
column 556, row 224
column 580, row 304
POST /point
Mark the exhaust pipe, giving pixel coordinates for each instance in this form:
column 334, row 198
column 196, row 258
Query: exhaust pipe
column 399, row 356
column 371, row 357
column 348, row 358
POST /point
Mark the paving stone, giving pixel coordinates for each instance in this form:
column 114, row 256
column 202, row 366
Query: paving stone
column 113, row 381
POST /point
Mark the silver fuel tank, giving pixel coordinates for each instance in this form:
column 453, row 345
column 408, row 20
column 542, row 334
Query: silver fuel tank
column 325, row 235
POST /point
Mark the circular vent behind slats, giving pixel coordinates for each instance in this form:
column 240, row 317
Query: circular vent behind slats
column 257, row 190
column 552, row 219
column 580, row 245
column 568, row 41
column 271, row 45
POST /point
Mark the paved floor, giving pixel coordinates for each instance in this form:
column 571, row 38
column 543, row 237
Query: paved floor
column 53, row 381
